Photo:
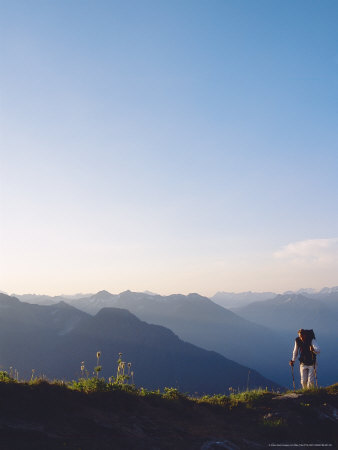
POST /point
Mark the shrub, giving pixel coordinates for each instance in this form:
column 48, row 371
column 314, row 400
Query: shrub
column 6, row 378
column 248, row 397
column 218, row 399
column 173, row 394
column 89, row 385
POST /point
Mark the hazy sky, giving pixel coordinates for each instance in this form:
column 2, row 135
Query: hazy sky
column 170, row 145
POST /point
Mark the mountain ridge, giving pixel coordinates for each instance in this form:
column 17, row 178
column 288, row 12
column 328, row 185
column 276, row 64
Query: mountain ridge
column 55, row 339
column 199, row 320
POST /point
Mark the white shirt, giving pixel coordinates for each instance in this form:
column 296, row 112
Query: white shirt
column 314, row 344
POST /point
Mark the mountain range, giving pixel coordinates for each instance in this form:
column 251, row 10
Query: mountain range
column 256, row 339
column 54, row 340
column 290, row 312
column 259, row 335
column 198, row 320
column 236, row 300
column 229, row 300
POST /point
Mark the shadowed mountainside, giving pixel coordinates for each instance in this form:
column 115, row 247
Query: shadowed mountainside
column 198, row 320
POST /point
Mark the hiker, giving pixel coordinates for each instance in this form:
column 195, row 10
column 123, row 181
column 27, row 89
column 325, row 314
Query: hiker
column 307, row 348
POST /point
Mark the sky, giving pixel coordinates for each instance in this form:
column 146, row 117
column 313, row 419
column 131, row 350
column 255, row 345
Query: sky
column 171, row 146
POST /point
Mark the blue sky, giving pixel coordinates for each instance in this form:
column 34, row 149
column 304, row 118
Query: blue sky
column 175, row 146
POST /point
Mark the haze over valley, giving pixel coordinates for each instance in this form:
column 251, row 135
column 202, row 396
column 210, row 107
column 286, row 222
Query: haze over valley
column 55, row 339
column 257, row 336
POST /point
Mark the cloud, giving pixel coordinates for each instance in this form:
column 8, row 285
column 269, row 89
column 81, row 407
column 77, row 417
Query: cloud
column 311, row 251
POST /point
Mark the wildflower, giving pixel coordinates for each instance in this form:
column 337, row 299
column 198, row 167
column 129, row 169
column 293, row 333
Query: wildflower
column 98, row 367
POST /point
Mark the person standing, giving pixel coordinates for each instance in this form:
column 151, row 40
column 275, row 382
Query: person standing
column 307, row 348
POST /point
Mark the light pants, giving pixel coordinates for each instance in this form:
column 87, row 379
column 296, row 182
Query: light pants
column 307, row 376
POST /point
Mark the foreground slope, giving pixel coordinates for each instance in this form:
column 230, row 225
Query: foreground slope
column 52, row 417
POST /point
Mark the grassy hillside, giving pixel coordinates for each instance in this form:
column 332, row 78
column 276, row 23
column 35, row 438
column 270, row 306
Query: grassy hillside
column 43, row 415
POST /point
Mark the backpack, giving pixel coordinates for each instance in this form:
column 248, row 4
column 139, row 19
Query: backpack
column 307, row 356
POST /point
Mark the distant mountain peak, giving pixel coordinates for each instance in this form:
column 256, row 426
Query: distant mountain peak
column 327, row 290
column 197, row 297
column 63, row 304
column 116, row 312
column 149, row 293
column 128, row 291
column 103, row 294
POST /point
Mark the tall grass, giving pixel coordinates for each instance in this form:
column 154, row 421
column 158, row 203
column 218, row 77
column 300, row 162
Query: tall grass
column 123, row 380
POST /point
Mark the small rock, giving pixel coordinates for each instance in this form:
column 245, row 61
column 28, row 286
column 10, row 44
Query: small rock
column 287, row 396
